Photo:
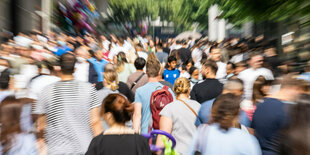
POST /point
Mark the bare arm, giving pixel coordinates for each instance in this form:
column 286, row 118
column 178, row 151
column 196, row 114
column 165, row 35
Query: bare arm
column 137, row 117
column 95, row 121
column 165, row 124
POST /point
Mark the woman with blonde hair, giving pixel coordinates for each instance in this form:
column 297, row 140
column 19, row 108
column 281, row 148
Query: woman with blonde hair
column 179, row 116
column 123, row 68
column 110, row 83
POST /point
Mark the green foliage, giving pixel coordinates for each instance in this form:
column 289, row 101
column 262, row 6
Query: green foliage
column 186, row 12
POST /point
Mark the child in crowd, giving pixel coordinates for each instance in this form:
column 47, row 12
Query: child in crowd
column 194, row 76
column 171, row 73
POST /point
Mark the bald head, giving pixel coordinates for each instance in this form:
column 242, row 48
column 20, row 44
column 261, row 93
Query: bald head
column 234, row 86
column 109, row 68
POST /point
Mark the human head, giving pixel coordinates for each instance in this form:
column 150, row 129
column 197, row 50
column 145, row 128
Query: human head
column 152, row 68
column 139, row 63
column 298, row 131
column 4, row 62
column 109, row 68
column 291, row 86
column 225, row 111
column 233, row 86
column 215, row 54
column 172, row 62
column 260, row 88
column 98, row 54
column 111, row 79
column 10, row 112
column 256, row 60
column 194, row 72
column 120, row 61
column 116, row 109
column 240, row 66
column 67, row 63
column 209, row 69
column 181, row 86
column 230, row 68
column 159, row 47
column 189, row 63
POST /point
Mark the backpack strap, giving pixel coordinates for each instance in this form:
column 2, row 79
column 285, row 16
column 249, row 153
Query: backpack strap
column 134, row 83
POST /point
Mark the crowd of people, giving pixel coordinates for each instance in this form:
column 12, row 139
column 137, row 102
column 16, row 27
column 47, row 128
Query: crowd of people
column 63, row 94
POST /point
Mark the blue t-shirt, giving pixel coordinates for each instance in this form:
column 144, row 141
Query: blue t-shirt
column 205, row 112
column 268, row 119
column 215, row 141
column 99, row 67
column 171, row 75
column 62, row 50
column 143, row 96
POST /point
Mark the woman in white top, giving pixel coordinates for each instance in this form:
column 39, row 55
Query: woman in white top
column 179, row 116
column 123, row 68
column 224, row 134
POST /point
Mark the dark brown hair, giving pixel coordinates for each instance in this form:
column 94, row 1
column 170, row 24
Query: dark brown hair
column 212, row 65
column 225, row 108
column 10, row 120
column 259, row 83
column 298, row 132
column 119, row 106
column 67, row 63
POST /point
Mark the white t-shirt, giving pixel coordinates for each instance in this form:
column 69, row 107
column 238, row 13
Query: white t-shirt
column 38, row 84
column 249, row 76
column 221, row 71
column 196, row 55
column 81, row 71
column 142, row 54
column 114, row 51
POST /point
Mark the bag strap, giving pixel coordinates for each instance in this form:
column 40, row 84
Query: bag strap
column 134, row 83
column 189, row 108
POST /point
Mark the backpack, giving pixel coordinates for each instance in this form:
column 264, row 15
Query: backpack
column 159, row 99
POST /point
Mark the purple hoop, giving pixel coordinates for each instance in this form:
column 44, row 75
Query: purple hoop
column 159, row 132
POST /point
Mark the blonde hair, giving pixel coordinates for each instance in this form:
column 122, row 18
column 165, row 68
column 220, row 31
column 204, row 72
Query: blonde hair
column 181, row 86
column 111, row 78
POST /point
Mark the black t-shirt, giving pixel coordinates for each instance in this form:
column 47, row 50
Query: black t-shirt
column 206, row 90
column 166, row 50
column 269, row 118
column 184, row 54
column 127, row 144
column 122, row 88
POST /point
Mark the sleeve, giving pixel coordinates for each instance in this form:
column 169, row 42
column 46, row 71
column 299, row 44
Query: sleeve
column 193, row 94
column 167, row 111
column 92, row 149
column 128, row 93
column 94, row 100
column 138, row 98
column 40, row 104
column 144, row 147
column 244, row 119
column 29, row 147
column 253, row 146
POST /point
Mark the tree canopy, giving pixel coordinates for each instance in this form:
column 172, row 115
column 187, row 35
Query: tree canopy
column 184, row 13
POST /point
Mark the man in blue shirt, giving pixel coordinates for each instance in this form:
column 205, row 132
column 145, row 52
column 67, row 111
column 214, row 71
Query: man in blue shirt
column 232, row 86
column 142, row 113
column 271, row 116
column 97, row 64
column 171, row 73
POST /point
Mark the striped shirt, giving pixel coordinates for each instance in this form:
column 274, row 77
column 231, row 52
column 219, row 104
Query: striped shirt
column 67, row 106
